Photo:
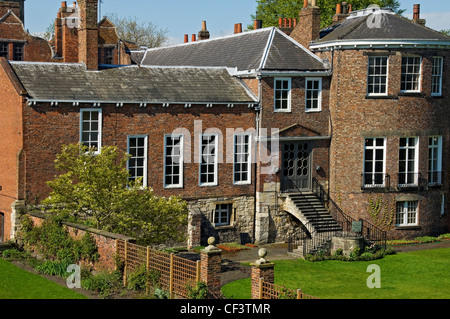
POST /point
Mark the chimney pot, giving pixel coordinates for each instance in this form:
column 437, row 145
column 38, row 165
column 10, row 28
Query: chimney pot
column 64, row 4
column 280, row 22
column 305, row 3
column 194, row 38
column 258, row 24
column 186, row 38
column 239, row 28
column 338, row 8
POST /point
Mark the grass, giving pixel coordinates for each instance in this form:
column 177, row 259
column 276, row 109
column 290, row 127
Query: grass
column 414, row 275
column 16, row 283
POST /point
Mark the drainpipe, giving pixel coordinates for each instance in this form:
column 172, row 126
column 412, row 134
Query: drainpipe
column 258, row 123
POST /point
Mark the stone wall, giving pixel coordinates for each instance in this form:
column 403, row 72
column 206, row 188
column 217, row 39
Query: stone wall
column 241, row 220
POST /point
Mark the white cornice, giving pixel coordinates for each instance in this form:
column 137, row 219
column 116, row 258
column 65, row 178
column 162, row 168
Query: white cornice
column 380, row 44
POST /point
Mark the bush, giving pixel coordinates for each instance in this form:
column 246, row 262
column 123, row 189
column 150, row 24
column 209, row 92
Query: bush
column 197, row 291
column 103, row 283
column 54, row 242
column 53, row 268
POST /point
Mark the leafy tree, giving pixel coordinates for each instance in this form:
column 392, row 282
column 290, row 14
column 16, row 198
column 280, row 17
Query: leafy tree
column 269, row 11
column 95, row 188
column 145, row 34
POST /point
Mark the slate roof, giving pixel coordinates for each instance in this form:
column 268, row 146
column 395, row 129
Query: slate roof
column 132, row 84
column 263, row 49
column 391, row 27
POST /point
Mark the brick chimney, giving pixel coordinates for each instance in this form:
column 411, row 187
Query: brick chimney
column 88, row 33
column 66, row 33
column 416, row 16
column 308, row 25
column 203, row 34
column 342, row 11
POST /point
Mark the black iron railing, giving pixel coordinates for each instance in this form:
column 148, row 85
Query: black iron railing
column 375, row 180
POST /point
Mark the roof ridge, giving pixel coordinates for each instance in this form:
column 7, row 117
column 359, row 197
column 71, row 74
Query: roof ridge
column 211, row 40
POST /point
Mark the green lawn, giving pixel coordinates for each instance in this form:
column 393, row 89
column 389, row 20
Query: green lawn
column 420, row 275
column 16, row 283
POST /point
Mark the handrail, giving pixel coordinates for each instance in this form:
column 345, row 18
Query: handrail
column 369, row 231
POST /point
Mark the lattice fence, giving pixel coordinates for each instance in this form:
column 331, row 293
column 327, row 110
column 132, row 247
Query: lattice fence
column 176, row 273
column 271, row 291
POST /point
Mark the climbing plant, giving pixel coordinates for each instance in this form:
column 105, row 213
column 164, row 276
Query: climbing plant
column 382, row 213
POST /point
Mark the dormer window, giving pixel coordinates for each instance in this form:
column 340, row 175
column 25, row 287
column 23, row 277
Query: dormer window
column 411, row 71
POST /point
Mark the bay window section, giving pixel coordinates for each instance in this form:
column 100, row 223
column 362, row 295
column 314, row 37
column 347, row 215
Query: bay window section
column 374, row 163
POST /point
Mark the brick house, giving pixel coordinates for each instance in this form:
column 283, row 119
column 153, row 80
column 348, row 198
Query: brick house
column 389, row 115
column 15, row 42
column 358, row 108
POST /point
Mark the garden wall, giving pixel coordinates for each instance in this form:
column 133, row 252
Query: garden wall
column 106, row 242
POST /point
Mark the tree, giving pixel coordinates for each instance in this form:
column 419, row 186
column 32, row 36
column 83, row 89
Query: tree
column 95, row 189
column 145, row 34
column 269, row 11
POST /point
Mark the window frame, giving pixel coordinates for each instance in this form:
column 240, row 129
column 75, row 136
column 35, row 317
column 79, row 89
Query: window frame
column 248, row 162
column 218, row 214
column 405, row 211
column 100, row 127
column 369, row 76
column 439, row 76
column 374, row 147
column 181, row 162
column 18, row 51
column 216, row 157
column 6, row 45
column 407, row 147
column 432, row 149
column 319, row 97
column 145, row 168
column 289, row 97
column 419, row 74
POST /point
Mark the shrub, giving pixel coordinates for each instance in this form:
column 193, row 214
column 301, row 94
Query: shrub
column 103, row 283
column 53, row 268
column 197, row 291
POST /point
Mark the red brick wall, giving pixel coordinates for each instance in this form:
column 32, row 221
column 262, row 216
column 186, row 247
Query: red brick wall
column 12, row 143
column 355, row 117
column 105, row 242
column 48, row 128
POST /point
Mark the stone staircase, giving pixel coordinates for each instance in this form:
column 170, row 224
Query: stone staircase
column 309, row 205
column 318, row 221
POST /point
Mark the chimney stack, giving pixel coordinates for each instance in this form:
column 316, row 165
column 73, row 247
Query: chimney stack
column 416, row 16
column 308, row 26
column 342, row 11
column 88, row 33
column 203, row 34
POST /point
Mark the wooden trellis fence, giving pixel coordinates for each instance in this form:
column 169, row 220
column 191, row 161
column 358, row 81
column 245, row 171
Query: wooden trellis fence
column 176, row 273
column 268, row 290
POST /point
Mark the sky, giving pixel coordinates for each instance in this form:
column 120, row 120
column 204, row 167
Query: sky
column 181, row 17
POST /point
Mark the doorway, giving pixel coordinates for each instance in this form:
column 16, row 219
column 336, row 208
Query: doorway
column 296, row 166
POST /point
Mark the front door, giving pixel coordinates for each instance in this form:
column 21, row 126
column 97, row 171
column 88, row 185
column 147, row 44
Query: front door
column 296, row 166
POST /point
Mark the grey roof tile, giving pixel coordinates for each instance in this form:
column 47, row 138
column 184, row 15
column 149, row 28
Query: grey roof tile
column 71, row 82
column 391, row 27
column 267, row 48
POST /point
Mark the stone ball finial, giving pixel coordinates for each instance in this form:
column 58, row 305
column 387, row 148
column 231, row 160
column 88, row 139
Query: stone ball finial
column 211, row 241
column 262, row 253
